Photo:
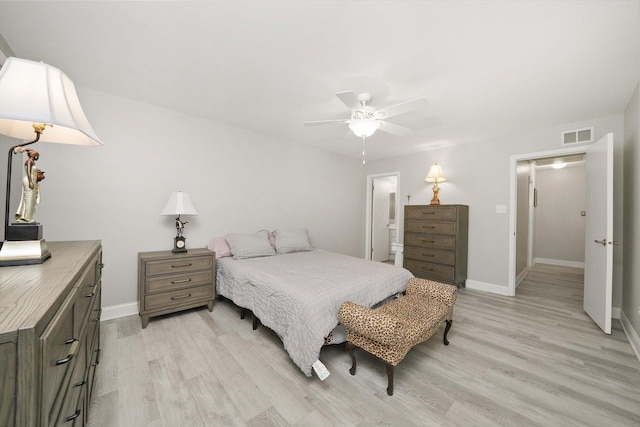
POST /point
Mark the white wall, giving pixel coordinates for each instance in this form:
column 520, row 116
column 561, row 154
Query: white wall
column 478, row 175
column 559, row 226
column 631, row 240
column 239, row 181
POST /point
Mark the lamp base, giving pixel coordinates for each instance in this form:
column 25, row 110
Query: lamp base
column 436, row 190
column 23, row 231
column 23, row 252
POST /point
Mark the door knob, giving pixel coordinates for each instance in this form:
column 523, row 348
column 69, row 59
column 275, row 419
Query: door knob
column 603, row 242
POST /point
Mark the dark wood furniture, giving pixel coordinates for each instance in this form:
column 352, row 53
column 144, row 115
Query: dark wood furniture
column 436, row 242
column 170, row 282
column 50, row 336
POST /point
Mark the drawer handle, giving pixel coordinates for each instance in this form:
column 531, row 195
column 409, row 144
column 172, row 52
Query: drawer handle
column 428, row 255
column 428, row 241
column 173, row 282
column 90, row 295
column 425, row 226
column 74, row 416
column 182, row 297
column 80, row 384
column 101, row 265
column 73, row 351
column 428, row 213
column 426, row 269
column 181, row 265
column 98, row 350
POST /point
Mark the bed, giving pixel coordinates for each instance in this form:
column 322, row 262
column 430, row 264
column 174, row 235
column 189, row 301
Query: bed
column 298, row 293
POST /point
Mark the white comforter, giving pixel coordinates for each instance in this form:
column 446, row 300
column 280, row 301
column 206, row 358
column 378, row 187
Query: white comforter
column 298, row 295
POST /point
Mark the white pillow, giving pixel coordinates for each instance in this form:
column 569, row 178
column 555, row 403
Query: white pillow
column 250, row 245
column 288, row 241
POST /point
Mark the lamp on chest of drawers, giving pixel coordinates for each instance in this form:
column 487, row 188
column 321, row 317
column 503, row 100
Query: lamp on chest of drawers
column 179, row 204
column 41, row 99
column 435, row 175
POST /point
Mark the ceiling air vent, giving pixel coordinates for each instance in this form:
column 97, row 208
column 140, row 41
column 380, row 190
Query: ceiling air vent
column 578, row 136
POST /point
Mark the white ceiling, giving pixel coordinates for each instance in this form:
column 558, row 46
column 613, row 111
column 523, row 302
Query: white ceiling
column 487, row 68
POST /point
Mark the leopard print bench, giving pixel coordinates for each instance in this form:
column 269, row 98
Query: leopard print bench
column 390, row 331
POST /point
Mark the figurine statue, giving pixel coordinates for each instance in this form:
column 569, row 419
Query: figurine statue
column 30, row 186
column 180, row 226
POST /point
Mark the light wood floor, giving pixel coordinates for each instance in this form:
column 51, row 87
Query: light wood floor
column 535, row 359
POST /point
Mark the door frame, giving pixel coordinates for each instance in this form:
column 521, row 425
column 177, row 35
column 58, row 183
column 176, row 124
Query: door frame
column 513, row 177
column 368, row 213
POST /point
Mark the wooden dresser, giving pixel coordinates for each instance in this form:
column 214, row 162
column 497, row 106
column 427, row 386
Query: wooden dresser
column 50, row 336
column 436, row 242
column 170, row 282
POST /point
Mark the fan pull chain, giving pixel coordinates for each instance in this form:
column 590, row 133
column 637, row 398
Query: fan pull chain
column 363, row 158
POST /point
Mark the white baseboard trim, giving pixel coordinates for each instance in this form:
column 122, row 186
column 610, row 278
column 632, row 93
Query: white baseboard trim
column 631, row 334
column 615, row 312
column 486, row 287
column 521, row 276
column 117, row 311
column 576, row 264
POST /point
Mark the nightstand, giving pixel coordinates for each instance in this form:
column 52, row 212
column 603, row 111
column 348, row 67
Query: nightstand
column 170, row 282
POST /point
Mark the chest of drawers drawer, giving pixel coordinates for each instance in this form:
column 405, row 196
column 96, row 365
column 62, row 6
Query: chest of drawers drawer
column 428, row 270
column 430, row 241
column 170, row 282
column 430, row 255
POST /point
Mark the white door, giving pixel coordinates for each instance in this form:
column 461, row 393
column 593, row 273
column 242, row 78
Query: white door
column 380, row 222
column 598, row 272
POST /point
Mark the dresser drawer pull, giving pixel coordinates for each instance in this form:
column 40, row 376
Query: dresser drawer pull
column 74, row 416
column 90, row 295
column 181, row 265
column 98, row 350
column 101, row 265
column 428, row 255
column 80, row 384
column 173, row 282
column 70, row 341
column 426, row 269
column 428, row 241
column 428, row 213
column 65, row 360
column 425, row 226
column 182, row 297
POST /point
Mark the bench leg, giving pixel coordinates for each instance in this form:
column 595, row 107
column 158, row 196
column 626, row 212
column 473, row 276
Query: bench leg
column 446, row 331
column 349, row 346
column 390, row 379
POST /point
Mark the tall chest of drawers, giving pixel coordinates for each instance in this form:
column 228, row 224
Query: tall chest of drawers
column 170, row 282
column 50, row 336
column 436, row 242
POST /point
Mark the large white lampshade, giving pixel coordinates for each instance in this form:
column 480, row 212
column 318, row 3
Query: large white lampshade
column 34, row 92
column 179, row 204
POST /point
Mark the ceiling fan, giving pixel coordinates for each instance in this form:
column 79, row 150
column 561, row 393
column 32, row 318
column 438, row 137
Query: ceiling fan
column 366, row 120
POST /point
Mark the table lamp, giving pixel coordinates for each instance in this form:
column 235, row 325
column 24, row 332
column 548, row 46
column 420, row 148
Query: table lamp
column 435, row 175
column 179, row 203
column 41, row 99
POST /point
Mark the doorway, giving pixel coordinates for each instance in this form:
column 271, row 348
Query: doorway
column 382, row 216
column 523, row 206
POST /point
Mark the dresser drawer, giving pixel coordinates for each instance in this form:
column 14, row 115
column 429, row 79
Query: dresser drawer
column 431, row 227
column 87, row 290
column 430, row 255
column 430, row 241
column 431, row 213
column 427, row 270
column 178, row 265
column 59, row 349
column 72, row 409
column 177, row 281
column 171, row 299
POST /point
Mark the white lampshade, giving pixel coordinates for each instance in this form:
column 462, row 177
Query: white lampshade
column 34, row 92
column 364, row 126
column 179, row 204
column 436, row 174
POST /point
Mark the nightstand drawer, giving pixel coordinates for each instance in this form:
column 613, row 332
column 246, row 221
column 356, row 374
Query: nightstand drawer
column 171, row 299
column 177, row 281
column 178, row 264
column 430, row 241
column 431, row 213
column 428, row 270
column 432, row 227
column 430, row 255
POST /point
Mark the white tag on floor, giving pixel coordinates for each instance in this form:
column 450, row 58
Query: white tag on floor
column 321, row 371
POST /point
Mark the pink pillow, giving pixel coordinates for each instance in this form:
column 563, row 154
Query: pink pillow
column 220, row 246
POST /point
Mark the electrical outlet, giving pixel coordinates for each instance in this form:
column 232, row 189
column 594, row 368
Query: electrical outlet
column 501, row 209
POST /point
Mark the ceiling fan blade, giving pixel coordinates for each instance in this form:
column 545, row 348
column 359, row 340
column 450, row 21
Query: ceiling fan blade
column 404, row 107
column 349, row 99
column 325, row 122
column 394, row 129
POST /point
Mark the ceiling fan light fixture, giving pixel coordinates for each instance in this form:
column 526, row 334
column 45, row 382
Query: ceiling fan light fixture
column 364, row 127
